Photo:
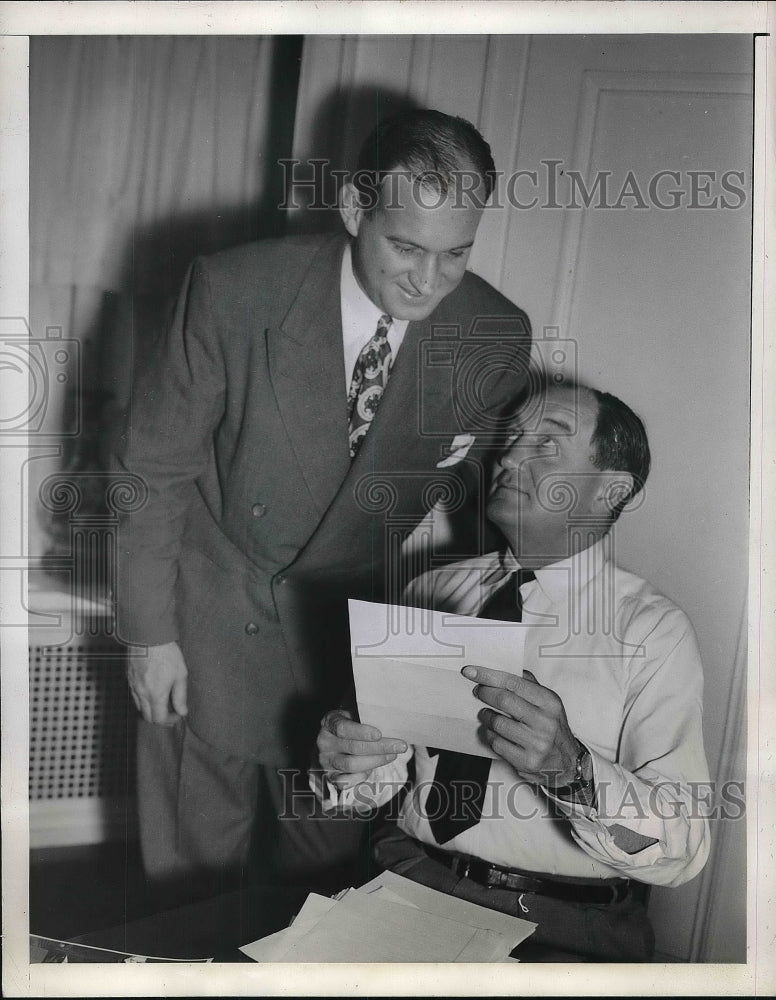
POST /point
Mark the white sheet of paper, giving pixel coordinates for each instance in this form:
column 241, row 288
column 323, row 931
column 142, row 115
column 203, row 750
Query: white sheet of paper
column 407, row 668
column 440, row 904
column 441, row 928
column 362, row 927
column 273, row 947
column 385, row 893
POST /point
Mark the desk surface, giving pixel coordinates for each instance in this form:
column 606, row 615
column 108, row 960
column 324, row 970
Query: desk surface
column 213, row 928
column 217, row 928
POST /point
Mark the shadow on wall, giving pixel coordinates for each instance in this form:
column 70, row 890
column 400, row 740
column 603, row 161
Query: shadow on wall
column 118, row 326
column 127, row 324
column 341, row 124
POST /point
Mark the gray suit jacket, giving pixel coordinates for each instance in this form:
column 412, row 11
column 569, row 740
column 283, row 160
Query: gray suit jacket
column 257, row 525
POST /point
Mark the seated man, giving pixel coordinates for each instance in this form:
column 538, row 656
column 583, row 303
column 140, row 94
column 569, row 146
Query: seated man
column 597, row 745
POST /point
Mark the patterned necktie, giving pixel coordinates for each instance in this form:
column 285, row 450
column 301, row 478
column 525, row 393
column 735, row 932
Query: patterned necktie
column 455, row 799
column 370, row 377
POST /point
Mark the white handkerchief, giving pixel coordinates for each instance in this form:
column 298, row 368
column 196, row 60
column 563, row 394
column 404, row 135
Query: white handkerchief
column 457, row 451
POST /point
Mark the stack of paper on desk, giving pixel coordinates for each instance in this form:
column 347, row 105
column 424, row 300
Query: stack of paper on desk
column 407, row 666
column 392, row 919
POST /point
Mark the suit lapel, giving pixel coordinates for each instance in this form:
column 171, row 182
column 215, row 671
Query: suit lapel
column 393, row 464
column 413, row 423
column 407, row 410
column 307, row 368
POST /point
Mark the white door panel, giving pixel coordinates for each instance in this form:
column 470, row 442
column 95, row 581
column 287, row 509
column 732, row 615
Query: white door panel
column 657, row 301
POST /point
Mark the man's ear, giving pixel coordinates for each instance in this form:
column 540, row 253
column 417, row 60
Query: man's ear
column 350, row 208
column 617, row 487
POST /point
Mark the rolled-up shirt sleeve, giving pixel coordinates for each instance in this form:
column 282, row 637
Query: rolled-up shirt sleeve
column 649, row 817
column 631, row 683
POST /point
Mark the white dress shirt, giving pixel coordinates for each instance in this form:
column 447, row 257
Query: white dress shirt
column 360, row 317
column 625, row 662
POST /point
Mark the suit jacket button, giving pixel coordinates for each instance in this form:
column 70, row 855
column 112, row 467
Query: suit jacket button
column 251, row 628
column 258, row 510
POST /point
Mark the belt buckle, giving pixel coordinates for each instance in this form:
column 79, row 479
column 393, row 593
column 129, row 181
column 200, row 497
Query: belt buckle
column 496, row 879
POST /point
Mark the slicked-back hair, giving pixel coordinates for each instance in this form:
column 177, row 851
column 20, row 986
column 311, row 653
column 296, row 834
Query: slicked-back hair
column 620, row 443
column 619, row 439
column 430, row 145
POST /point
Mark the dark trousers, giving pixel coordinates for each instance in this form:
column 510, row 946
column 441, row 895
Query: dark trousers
column 211, row 823
column 566, row 931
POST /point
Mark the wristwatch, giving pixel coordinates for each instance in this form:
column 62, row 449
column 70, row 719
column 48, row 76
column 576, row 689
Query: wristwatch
column 582, row 782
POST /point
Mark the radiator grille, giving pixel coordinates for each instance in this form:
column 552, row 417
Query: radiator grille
column 82, row 722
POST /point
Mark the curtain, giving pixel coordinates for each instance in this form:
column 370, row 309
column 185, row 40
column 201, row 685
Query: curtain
column 145, row 149
column 144, row 153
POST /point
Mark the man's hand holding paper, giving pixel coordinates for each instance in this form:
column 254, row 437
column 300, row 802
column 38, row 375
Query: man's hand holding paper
column 529, row 730
column 408, row 671
column 348, row 751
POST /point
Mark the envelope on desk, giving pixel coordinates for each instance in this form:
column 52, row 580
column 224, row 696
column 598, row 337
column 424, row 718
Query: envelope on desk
column 407, row 668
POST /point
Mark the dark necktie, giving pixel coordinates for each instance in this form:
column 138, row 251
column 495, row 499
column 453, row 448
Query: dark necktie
column 370, row 377
column 506, row 604
column 456, row 797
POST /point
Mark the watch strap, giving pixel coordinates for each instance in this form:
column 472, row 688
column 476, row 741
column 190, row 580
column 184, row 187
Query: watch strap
column 579, row 783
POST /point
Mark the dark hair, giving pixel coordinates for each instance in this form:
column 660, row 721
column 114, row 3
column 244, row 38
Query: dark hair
column 620, row 443
column 619, row 438
column 429, row 145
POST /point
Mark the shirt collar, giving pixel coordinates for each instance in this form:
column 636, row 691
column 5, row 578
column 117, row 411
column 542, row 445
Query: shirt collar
column 361, row 312
column 578, row 571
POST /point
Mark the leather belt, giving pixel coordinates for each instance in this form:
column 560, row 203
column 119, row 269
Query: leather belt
column 495, row 877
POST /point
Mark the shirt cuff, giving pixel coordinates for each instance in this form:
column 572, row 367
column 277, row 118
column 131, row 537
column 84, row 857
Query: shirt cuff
column 327, row 794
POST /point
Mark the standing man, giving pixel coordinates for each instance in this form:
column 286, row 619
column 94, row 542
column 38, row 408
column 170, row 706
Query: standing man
column 596, row 786
column 257, row 430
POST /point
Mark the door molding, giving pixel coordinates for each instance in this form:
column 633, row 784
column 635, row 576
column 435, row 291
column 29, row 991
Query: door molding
column 713, row 899
column 596, row 83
